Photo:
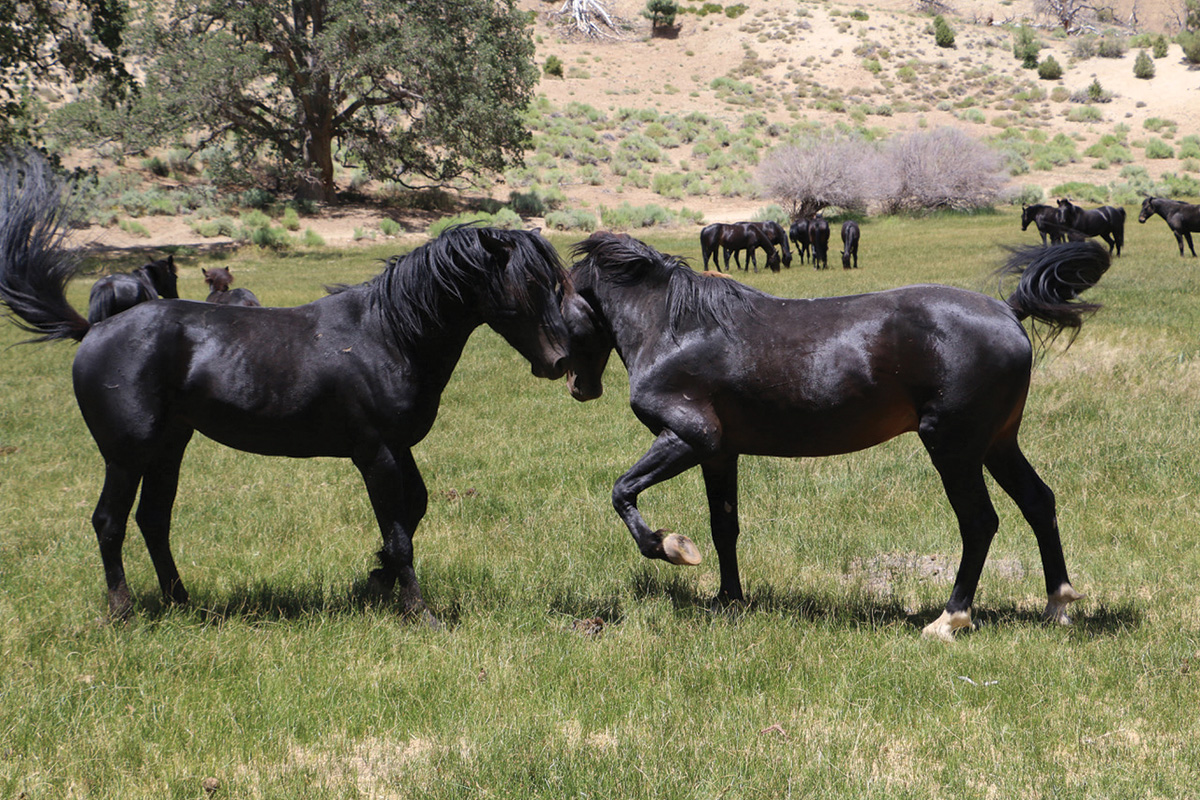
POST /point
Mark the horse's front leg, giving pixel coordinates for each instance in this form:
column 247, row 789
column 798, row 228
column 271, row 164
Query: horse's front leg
column 720, row 486
column 666, row 458
column 399, row 499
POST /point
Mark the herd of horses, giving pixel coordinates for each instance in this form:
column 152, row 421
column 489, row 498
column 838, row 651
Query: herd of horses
column 808, row 234
column 1068, row 222
column 121, row 291
column 717, row 369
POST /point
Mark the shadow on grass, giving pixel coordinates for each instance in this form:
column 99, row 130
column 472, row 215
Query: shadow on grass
column 854, row 608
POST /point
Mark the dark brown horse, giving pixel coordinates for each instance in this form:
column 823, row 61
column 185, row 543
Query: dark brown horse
column 798, row 233
column 733, row 238
column 1107, row 222
column 1182, row 218
column 818, row 237
column 113, row 294
column 717, row 369
column 219, row 279
column 357, row 374
column 850, row 236
column 778, row 237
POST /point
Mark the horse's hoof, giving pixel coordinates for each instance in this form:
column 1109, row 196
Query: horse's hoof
column 943, row 627
column 1056, row 604
column 120, row 605
column 680, row 550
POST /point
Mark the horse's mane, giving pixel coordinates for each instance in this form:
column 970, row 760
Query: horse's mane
column 692, row 300
column 409, row 293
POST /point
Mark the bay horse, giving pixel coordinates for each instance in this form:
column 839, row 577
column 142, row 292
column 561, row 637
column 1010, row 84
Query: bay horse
column 850, row 237
column 733, row 238
column 219, row 279
column 718, row 369
column 818, row 237
column 356, row 374
column 113, row 294
column 798, row 233
column 778, row 237
column 1182, row 218
column 1048, row 220
column 1107, row 222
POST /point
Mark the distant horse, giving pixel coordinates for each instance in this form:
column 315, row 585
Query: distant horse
column 1182, row 218
column 799, row 236
column 1107, row 222
column 219, row 280
column 717, row 369
column 113, row 294
column 356, row 374
column 732, row 238
column 818, row 237
column 777, row 236
column 850, row 236
column 1048, row 220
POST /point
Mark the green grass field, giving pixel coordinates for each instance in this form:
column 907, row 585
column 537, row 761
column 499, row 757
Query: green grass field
column 572, row 667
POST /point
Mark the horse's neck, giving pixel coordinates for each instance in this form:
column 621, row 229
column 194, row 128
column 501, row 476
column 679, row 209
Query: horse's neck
column 147, row 279
column 637, row 316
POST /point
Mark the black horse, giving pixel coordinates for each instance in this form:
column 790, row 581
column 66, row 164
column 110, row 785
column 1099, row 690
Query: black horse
column 113, row 294
column 219, row 279
column 818, row 237
column 778, row 237
column 717, row 369
column 1048, row 220
column 357, row 374
column 1182, row 218
column 1107, row 222
column 732, row 238
column 799, row 236
column 850, row 237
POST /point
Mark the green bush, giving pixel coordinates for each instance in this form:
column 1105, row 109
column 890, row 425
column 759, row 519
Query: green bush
column 1026, row 46
column 389, row 226
column 1143, row 67
column 1111, row 47
column 553, row 66
column 661, row 13
column 1050, row 69
column 1190, row 42
column 1081, row 192
column 573, row 220
column 291, row 219
column 255, row 197
column 943, row 34
column 1157, row 148
column 1159, row 46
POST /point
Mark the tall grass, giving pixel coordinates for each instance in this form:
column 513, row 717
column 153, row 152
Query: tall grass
column 571, row 667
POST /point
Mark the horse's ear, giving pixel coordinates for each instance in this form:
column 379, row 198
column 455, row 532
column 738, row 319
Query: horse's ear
column 499, row 248
column 171, row 263
column 204, row 271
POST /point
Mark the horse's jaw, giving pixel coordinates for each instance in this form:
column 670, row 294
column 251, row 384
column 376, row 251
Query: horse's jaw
column 581, row 392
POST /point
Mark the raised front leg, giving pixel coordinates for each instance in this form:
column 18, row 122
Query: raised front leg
column 666, row 458
column 720, row 486
column 399, row 499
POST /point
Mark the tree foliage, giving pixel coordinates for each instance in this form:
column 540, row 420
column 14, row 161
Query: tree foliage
column 56, row 41
column 661, row 13
column 820, row 172
column 403, row 89
column 941, row 169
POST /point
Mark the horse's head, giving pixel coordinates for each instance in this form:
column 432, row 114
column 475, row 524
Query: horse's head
column 524, row 304
column 219, row 279
column 590, row 347
column 1027, row 213
column 773, row 259
column 163, row 276
column 845, row 260
column 1147, row 209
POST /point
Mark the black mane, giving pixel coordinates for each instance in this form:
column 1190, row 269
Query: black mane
column 693, row 300
column 409, row 293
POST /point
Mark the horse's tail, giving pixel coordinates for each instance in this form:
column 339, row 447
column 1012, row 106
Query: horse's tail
column 1050, row 280
column 35, row 267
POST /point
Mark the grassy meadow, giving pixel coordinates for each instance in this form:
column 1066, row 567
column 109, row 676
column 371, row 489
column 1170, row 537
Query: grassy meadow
column 572, row 667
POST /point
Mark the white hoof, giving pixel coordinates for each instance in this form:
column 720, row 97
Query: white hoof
column 1056, row 605
column 944, row 626
column 680, row 550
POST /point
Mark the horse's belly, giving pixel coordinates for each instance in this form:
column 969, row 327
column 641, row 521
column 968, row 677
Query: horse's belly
column 845, row 429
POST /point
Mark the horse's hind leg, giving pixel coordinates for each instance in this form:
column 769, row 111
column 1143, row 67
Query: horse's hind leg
column 159, row 487
column 720, row 486
column 962, row 478
column 1188, row 235
column 1020, row 481
column 109, row 520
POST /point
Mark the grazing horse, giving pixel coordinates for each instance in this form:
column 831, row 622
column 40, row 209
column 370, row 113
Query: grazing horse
column 850, row 236
column 1182, row 218
column 799, row 236
column 732, row 238
column 1048, row 220
column 1107, row 222
column 113, row 294
column 717, row 369
column 777, row 236
column 818, row 237
column 356, row 374
column 219, row 280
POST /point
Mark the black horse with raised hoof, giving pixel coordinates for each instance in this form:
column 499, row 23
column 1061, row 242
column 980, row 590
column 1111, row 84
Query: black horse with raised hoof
column 718, row 369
